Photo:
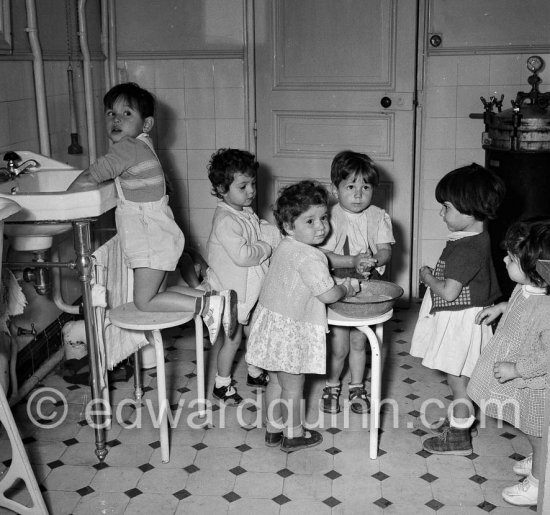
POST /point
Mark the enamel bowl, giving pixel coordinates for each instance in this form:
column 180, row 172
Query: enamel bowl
column 375, row 298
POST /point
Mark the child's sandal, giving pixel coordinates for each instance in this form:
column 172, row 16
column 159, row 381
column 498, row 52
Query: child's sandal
column 330, row 400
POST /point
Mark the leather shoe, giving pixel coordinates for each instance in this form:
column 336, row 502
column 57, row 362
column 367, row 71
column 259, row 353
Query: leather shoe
column 273, row 439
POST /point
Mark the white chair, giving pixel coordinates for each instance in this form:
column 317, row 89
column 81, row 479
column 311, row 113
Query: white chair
column 20, row 468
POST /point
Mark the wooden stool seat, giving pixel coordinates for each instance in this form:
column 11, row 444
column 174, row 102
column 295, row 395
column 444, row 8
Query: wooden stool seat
column 127, row 316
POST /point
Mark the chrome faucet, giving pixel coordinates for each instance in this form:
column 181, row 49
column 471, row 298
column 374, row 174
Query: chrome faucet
column 14, row 167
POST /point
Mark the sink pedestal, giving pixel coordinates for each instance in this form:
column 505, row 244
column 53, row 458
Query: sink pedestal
column 84, row 267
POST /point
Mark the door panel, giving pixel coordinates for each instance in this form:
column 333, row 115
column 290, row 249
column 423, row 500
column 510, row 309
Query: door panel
column 322, row 70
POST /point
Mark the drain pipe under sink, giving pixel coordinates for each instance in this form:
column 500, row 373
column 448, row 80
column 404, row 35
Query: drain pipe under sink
column 39, row 87
column 56, row 287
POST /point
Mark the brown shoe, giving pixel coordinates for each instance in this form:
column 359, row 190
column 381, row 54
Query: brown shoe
column 310, row 438
column 450, row 441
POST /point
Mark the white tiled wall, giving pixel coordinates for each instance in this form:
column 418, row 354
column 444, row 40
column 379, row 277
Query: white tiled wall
column 201, row 110
column 450, row 137
column 18, row 116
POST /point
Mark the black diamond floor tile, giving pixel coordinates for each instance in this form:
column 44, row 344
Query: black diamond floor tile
column 332, row 502
column 434, row 504
column 382, row 503
column 237, row 470
column 87, row 490
column 181, row 494
column 478, row 479
column 430, row 478
column 486, row 506
column 281, row 499
column 231, row 496
column 380, row 476
column 285, row 473
column 333, row 474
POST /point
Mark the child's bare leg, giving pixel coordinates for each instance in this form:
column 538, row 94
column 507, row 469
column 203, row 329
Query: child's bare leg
column 339, row 350
column 359, row 402
column 273, row 404
column 147, row 283
column 227, row 352
column 223, row 390
column 538, row 459
column 357, row 356
column 463, row 408
column 292, row 389
column 186, row 268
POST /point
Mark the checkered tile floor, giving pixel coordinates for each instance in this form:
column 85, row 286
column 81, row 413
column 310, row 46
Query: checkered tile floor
column 224, row 467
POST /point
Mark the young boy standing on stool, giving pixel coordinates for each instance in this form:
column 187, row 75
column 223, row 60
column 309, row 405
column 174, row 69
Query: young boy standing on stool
column 359, row 246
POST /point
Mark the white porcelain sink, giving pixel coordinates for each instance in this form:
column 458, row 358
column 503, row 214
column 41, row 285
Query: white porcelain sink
column 41, row 194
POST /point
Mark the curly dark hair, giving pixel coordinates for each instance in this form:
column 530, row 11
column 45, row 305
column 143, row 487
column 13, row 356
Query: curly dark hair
column 529, row 241
column 138, row 98
column 225, row 163
column 472, row 190
column 348, row 163
column 297, row 199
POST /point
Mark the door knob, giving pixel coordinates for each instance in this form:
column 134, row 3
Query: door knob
column 385, row 102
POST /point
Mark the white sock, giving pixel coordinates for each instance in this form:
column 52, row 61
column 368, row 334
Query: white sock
column 222, row 381
column 294, row 432
column 254, row 371
column 462, row 423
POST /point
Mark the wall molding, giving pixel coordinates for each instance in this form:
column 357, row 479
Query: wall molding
column 476, row 50
column 185, row 54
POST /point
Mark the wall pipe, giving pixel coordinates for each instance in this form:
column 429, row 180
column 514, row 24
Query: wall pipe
column 112, row 42
column 88, row 88
column 105, row 43
column 39, row 85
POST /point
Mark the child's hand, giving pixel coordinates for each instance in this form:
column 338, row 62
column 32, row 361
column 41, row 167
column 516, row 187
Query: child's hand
column 352, row 287
column 425, row 272
column 364, row 263
column 488, row 315
column 505, row 371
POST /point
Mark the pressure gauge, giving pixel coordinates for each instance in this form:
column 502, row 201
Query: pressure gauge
column 535, row 63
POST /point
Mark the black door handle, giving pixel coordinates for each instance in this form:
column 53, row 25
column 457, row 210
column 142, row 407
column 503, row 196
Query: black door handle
column 385, row 102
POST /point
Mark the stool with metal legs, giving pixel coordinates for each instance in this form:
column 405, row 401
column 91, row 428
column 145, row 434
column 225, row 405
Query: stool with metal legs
column 128, row 316
column 376, row 340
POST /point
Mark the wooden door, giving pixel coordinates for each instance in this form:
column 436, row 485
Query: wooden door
column 334, row 75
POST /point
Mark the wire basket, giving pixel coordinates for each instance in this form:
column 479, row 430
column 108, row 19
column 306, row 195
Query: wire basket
column 375, row 298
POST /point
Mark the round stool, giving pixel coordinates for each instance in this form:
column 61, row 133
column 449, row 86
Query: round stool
column 127, row 316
